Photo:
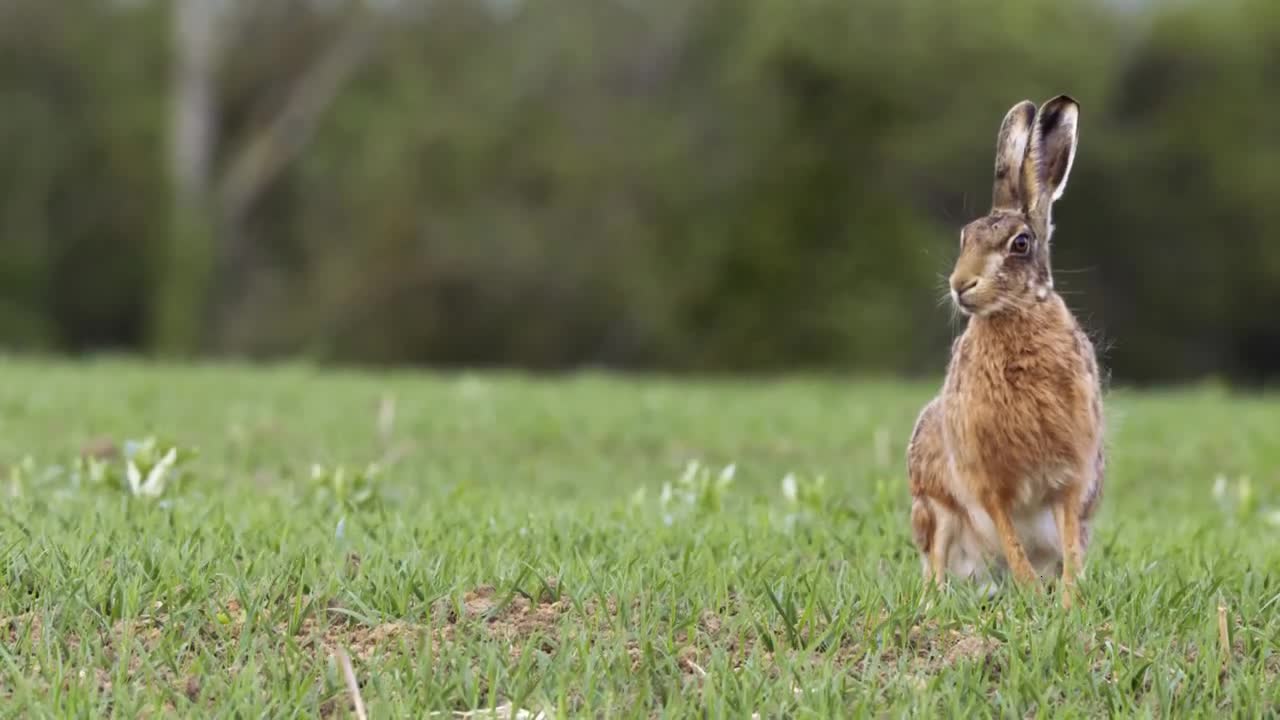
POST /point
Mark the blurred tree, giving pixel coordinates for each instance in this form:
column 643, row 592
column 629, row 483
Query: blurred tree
column 208, row 248
column 78, row 122
column 1193, row 164
column 183, row 279
column 675, row 184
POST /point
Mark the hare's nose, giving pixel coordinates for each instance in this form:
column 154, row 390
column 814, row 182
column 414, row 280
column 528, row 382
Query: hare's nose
column 963, row 285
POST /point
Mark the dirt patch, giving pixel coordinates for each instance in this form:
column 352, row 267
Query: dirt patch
column 141, row 638
column 478, row 603
column 361, row 641
column 970, row 649
column 192, row 688
column 546, row 622
column 513, row 619
column 26, row 625
column 522, row 622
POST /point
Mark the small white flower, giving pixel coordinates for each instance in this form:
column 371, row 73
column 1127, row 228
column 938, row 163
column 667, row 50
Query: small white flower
column 690, row 472
column 726, row 475
column 156, row 477
column 341, row 529
column 665, row 497
column 790, row 490
column 1219, row 487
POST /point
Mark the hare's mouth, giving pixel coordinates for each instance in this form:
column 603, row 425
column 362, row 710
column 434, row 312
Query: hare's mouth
column 966, row 302
column 978, row 304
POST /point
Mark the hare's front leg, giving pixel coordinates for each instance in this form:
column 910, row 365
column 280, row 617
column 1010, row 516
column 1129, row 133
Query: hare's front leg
column 1014, row 553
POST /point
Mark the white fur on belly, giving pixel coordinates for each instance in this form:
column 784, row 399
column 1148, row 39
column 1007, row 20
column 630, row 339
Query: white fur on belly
column 977, row 552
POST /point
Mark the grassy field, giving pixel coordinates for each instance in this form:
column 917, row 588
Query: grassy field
column 489, row 540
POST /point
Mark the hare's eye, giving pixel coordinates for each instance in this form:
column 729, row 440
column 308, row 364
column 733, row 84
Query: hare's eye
column 1020, row 244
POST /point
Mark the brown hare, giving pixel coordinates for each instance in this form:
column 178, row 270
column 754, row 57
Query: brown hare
column 1006, row 463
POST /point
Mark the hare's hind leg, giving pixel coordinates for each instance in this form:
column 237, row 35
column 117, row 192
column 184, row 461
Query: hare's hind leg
column 1066, row 514
column 933, row 529
column 1089, row 505
column 932, row 526
column 1071, row 513
column 924, row 526
column 943, row 535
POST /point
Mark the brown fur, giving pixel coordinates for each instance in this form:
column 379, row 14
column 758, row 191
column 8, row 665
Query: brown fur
column 1006, row 464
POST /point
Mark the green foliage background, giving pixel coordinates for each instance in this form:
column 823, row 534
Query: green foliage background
column 715, row 185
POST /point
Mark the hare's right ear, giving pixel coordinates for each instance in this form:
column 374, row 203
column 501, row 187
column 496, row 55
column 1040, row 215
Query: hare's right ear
column 1050, row 156
column 1011, row 148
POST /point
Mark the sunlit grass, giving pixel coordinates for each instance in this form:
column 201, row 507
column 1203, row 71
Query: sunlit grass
column 492, row 540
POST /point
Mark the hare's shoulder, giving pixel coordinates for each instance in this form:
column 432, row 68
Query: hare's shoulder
column 1087, row 351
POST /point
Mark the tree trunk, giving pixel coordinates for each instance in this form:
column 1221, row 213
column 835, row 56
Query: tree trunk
column 183, row 274
column 204, row 259
column 266, row 155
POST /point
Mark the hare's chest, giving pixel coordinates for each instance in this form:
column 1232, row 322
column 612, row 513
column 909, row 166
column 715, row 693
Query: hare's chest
column 1015, row 435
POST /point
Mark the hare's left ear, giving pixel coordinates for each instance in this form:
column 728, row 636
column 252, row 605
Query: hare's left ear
column 1050, row 153
column 1011, row 150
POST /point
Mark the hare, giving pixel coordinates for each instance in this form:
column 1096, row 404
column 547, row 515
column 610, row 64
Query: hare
column 1006, row 463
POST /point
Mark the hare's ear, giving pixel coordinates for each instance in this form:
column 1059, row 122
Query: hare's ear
column 1011, row 148
column 1049, row 155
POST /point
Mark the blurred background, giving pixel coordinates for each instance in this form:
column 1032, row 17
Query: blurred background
column 669, row 185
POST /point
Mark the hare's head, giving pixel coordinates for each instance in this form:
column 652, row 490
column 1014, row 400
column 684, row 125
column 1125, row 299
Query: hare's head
column 1004, row 257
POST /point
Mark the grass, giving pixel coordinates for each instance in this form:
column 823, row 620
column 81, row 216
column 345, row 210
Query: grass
column 518, row 549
